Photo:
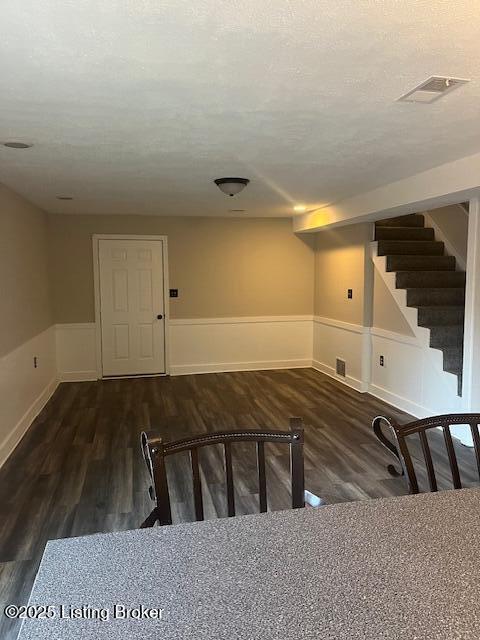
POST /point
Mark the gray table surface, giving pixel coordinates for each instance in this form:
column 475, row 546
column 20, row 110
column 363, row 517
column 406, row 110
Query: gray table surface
column 392, row 568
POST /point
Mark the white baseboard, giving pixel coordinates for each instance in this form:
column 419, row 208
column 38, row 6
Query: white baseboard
column 461, row 432
column 77, row 376
column 24, row 387
column 349, row 381
column 224, row 367
column 399, row 402
column 19, row 430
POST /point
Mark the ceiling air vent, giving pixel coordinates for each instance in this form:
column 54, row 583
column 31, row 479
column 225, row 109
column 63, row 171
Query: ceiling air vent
column 432, row 89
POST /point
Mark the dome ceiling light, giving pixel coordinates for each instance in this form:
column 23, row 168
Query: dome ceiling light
column 231, row 186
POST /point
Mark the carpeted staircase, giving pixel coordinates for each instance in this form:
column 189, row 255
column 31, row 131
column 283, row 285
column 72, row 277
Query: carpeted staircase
column 433, row 285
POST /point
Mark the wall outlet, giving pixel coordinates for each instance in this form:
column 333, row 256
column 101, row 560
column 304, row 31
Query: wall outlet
column 35, row 362
column 382, row 361
column 349, row 294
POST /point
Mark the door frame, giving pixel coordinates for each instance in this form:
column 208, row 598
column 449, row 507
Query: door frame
column 96, row 282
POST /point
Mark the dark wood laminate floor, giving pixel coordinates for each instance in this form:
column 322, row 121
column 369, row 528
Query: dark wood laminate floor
column 78, row 470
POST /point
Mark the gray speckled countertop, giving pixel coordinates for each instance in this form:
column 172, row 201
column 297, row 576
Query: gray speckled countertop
column 383, row 569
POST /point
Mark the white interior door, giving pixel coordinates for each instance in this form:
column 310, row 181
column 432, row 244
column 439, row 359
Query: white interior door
column 132, row 306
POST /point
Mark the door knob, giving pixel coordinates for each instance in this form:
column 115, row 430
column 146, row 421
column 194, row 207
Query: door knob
column 159, row 317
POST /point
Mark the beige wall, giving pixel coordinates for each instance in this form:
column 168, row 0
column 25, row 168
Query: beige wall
column 221, row 267
column 24, row 287
column 452, row 222
column 340, row 265
column 386, row 314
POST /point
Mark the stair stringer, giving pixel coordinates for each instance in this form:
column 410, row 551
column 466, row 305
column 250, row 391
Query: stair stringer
column 443, row 396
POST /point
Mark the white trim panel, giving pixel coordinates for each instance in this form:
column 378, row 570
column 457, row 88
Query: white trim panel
column 334, row 339
column 235, row 344
column 24, row 390
column 76, row 352
column 471, row 341
column 419, row 386
column 411, row 378
column 202, row 345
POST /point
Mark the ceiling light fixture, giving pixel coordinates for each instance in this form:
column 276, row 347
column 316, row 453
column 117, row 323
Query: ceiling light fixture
column 237, row 210
column 231, row 186
column 64, row 198
column 299, row 207
column 17, row 145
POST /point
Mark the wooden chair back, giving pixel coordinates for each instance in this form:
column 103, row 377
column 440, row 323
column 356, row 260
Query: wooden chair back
column 155, row 451
column 400, row 449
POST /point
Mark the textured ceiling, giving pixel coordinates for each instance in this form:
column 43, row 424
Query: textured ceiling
column 135, row 106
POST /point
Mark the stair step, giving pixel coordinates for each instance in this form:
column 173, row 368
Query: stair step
column 418, row 279
column 404, row 233
column 446, row 336
column 458, row 373
column 410, row 248
column 420, row 263
column 424, row 297
column 440, row 316
column 412, row 220
column 452, row 359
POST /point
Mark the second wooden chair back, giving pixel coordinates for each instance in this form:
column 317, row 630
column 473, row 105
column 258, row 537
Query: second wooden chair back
column 401, row 450
column 155, row 451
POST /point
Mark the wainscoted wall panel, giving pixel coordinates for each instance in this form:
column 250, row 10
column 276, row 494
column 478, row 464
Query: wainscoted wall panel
column 203, row 345
column 400, row 378
column 334, row 339
column 411, row 377
column 235, row 344
column 25, row 390
column 75, row 347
